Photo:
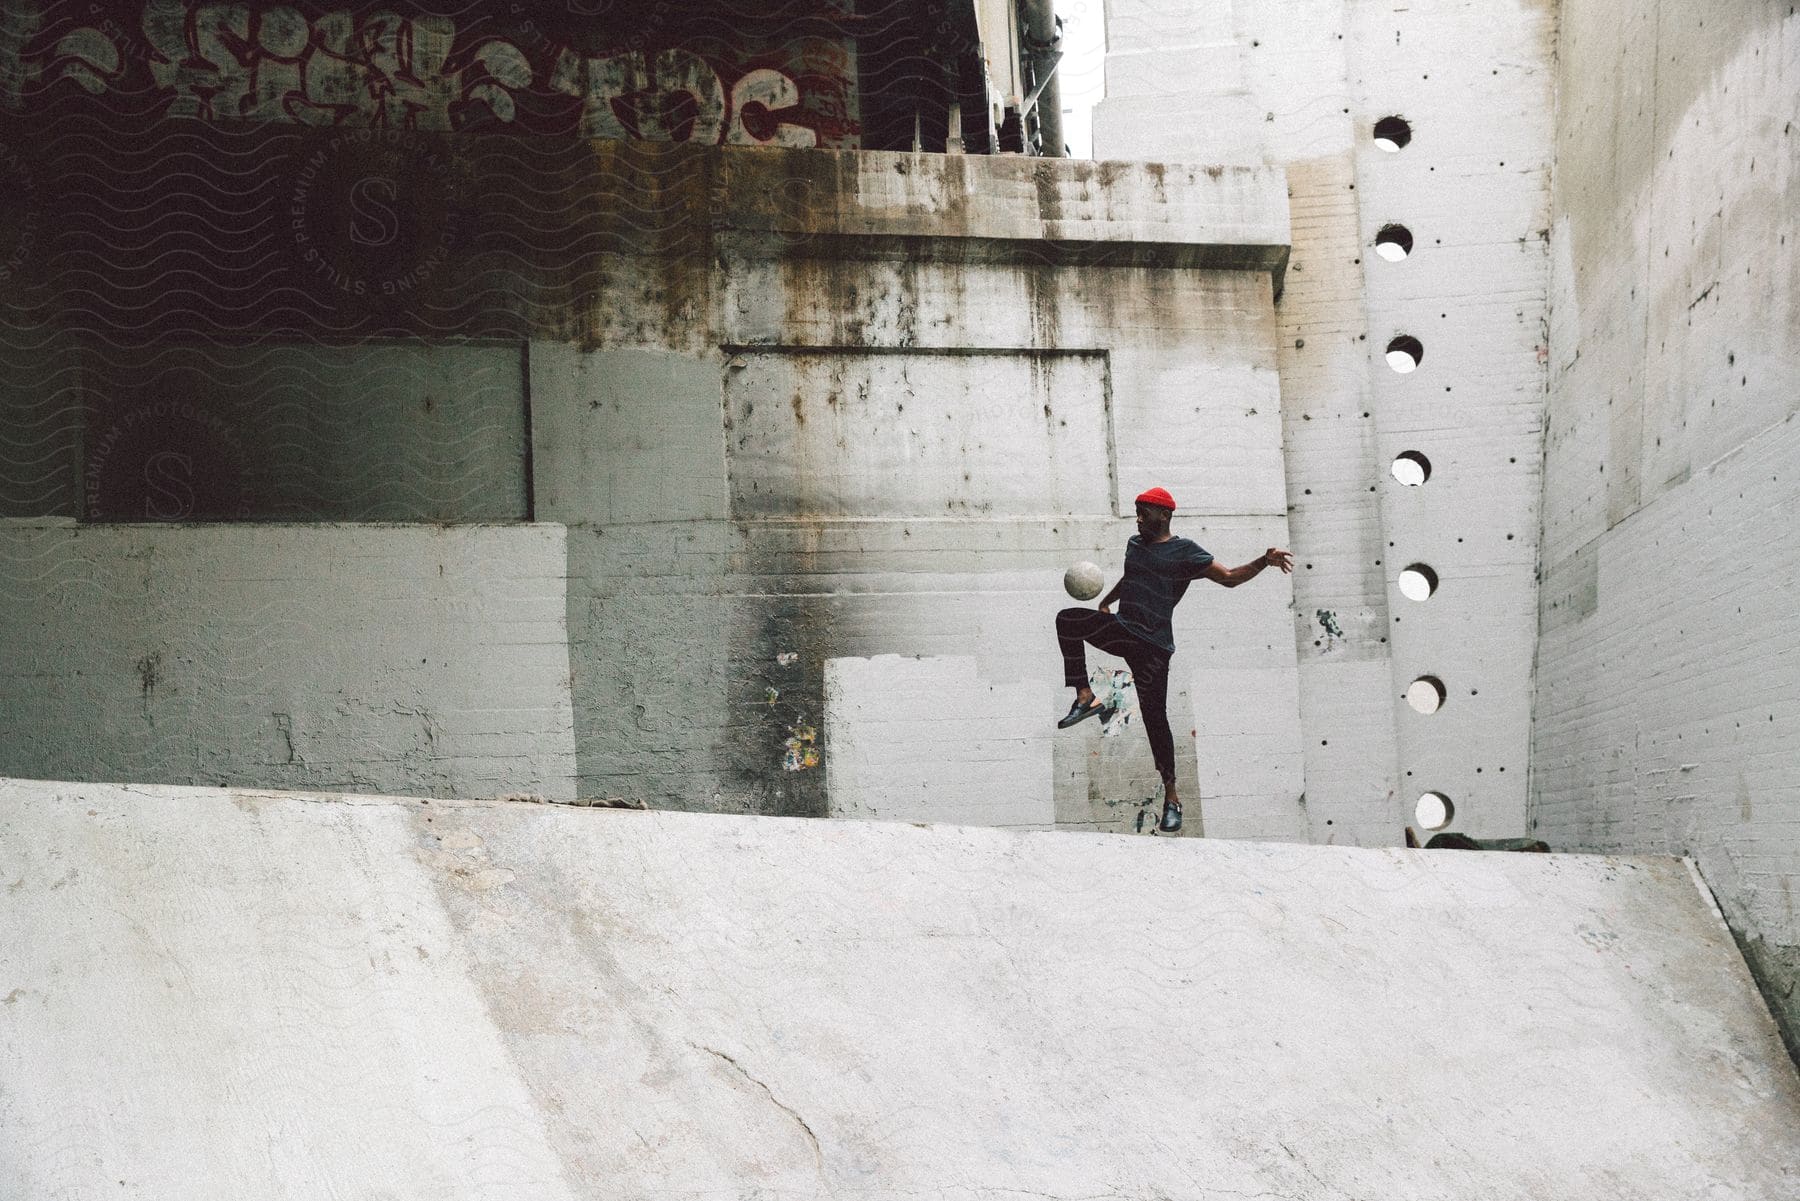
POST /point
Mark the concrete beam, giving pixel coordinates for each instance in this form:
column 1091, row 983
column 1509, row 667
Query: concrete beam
column 1006, row 209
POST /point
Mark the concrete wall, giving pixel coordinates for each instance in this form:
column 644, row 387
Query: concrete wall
column 902, row 434
column 355, row 657
column 494, row 1001
column 1667, row 714
column 288, row 429
column 925, row 740
column 665, row 72
column 939, row 541
column 1301, row 85
column 790, row 406
column 881, row 421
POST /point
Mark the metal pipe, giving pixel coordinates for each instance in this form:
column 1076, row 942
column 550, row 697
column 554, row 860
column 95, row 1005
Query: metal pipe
column 1043, row 42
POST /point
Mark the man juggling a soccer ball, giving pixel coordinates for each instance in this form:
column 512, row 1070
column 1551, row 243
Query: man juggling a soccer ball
column 1158, row 568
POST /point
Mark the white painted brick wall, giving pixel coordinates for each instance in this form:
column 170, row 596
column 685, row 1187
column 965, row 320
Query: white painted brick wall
column 1668, row 712
column 1667, row 715
column 357, row 658
column 928, row 740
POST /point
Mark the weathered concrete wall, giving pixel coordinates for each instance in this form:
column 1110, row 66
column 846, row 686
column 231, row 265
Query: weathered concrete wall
column 451, row 999
column 1301, row 85
column 1668, row 705
column 1472, row 187
column 924, row 529
column 928, row 740
column 904, row 396
column 664, row 72
column 791, row 406
column 902, row 434
column 357, row 657
column 294, row 431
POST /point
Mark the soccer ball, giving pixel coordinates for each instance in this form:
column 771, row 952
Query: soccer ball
column 1083, row 581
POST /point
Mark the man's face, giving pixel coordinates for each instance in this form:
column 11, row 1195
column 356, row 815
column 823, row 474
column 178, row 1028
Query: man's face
column 1152, row 522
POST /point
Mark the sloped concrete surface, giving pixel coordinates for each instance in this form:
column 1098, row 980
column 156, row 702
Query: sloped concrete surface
column 226, row 994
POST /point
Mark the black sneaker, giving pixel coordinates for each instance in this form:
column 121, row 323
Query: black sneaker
column 1171, row 818
column 1079, row 712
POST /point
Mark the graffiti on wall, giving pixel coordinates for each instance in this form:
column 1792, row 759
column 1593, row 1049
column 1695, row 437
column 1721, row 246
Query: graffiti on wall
column 423, row 71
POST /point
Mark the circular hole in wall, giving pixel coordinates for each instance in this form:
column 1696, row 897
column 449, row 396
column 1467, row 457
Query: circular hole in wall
column 1418, row 582
column 1425, row 694
column 1411, row 468
column 1434, row 810
column 1391, row 133
column 1405, row 353
column 1393, row 242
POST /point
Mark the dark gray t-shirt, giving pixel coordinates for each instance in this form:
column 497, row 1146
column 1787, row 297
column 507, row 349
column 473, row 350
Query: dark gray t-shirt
column 1156, row 578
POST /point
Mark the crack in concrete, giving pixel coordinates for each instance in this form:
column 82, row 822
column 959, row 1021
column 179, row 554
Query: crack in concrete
column 811, row 1138
column 1304, row 1166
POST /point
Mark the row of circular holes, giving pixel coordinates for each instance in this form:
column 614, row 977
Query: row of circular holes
column 1395, row 242
column 1404, row 354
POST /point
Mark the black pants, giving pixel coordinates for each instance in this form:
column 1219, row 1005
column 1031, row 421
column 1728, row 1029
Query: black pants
column 1149, row 671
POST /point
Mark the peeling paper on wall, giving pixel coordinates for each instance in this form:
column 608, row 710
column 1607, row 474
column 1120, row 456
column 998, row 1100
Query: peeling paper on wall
column 1147, row 812
column 1116, row 691
column 802, row 748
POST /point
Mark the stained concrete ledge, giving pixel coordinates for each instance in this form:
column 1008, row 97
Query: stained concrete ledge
column 1002, row 208
column 226, row 994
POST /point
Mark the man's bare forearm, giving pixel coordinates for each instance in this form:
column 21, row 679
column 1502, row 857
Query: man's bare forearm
column 1249, row 571
column 1273, row 557
column 1111, row 598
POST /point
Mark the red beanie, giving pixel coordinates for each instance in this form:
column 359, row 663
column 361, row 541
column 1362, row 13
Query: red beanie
column 1159, row 497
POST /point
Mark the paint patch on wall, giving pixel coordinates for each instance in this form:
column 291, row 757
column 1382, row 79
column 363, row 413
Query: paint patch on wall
column 1329, row 623
column 802, row 748
column 928, row 739
column 1116, row 690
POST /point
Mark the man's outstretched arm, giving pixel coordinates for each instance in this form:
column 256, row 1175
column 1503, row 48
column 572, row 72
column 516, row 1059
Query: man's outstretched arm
column 1231, row 577
column 1111, row 598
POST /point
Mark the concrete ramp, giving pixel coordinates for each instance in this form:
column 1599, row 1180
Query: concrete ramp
column 233, row 995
